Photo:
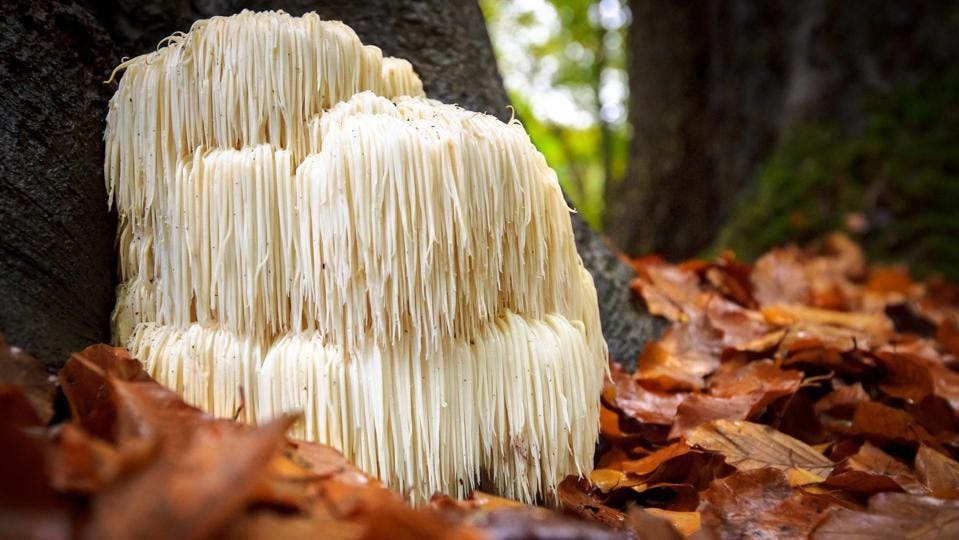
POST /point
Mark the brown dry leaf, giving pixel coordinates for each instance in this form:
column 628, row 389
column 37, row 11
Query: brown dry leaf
column 607, row 480
column 938, row 472
column 29, row 374
column 739, row 326
column 749, row 446
column 698, row 409
column 894, row 515
column 650, row 463
column 890, row 279
column 906, row 376
column 647, row 525
column 779, row 277
column 884, row 424
column 873, row 324
column 842, row 402
column 84, row 382
column 81, row 463
column 193, row 492
column 528, row 522
column 670, row 291
column 870, row 471
column 573, row 495
column 680, row 359
column 645, row 405
column 947, row 334
column 763, row 380
column 759, row 503
column 686, row 523
column 913, row 367
column 29, row 506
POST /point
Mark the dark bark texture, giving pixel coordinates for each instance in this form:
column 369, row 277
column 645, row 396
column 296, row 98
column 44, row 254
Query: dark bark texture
column 56, row 288
column 715, row 85
column 57, row 262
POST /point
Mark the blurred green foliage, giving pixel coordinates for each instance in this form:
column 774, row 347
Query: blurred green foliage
column 894, row 185
column 563, row 64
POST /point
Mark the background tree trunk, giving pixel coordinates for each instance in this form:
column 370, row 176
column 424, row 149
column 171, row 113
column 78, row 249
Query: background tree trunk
column 63, row 289
column 716, row 85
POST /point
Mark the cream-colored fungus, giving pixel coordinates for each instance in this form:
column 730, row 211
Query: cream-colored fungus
column 302, row 230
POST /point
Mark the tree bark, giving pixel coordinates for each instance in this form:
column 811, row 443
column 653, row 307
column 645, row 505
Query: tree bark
column 715, row 85
column 57, row 261
column 57, row 236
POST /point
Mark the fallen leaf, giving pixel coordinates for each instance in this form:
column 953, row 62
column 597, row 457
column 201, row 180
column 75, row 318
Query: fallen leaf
column 646, row 524
column 905, row 376
column 779, row 277
column 84, row 380
column 938, row 472
column 19, row 369
column 842, row 402
column 643, row 404
column 894, row 515
column 650, row 463
column 883, row 424
column 574, row 497
column 607, row 480
column 870, row 471
column 738, row 325
column 686, row 523
column 533, row 523
column 762, row 380
column 697, row 409
column 759, row 503
column 29, row 506
column 670, row 292
column 947, row 334
column 679, row 360
column 874, row 324
column 749, row 446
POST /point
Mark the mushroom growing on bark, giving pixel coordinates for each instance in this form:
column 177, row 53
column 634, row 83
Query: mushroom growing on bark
column 301, row 229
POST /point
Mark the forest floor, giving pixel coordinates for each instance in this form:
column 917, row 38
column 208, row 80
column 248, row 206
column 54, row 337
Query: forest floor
column 808, row 394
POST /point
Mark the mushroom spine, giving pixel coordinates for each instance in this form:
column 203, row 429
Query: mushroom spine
column 299, row 223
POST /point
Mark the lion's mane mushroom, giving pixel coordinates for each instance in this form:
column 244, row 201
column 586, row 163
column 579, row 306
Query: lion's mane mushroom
column 299, row 225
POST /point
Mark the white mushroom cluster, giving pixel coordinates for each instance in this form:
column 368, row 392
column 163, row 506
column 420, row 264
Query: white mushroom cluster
column 302, row 230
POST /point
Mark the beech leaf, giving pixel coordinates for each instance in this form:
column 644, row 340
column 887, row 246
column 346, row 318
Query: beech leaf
column 749, row 446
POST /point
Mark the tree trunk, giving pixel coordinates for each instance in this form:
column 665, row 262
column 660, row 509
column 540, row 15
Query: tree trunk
column 68, row 269
column 57, row 261
column 715, row 85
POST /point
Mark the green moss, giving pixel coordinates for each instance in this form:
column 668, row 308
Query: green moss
column 901, row 173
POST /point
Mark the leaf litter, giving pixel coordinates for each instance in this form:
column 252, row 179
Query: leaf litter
column 805, row 395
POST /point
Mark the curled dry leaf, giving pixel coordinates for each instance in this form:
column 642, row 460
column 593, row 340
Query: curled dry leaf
column 870, row 470
column 646, row 405
column 749, row 446
column 573, row 495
